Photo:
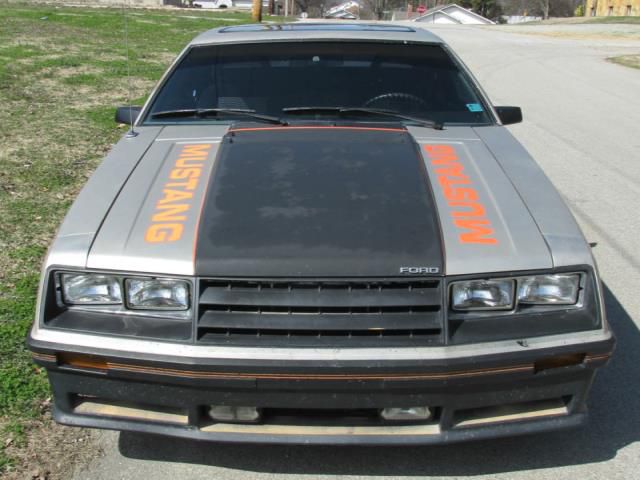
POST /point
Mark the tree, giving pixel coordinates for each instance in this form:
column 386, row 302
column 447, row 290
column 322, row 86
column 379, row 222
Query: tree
column 379, row 7
column 491, row 9
column 542, row 8
column 487, row 8
column 545, row 5
column 312, row 7
column 256, row 11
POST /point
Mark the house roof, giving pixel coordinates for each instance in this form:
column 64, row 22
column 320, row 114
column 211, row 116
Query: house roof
column 447, row 10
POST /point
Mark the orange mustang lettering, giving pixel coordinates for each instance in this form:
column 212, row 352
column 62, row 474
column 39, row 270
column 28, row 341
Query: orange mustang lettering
column 468, row 214
column 167, row 221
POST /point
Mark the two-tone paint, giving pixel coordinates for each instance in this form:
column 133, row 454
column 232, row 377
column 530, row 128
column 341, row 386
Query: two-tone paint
column 240, row 201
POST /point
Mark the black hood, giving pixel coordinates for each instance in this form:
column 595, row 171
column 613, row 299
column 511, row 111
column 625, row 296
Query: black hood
column 318, row 201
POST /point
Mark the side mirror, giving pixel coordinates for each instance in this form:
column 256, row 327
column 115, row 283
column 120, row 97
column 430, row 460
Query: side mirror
column 127, row 115
column 509, row 115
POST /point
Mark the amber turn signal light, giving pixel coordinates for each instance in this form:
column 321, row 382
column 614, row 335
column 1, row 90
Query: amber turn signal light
column 76, row 360
column 559, row 361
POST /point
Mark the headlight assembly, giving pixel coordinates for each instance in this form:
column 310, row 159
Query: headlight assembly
column 118, row 293
column 508, row 293
column 482, row 295
column 157, row 294
column 90, row 289
column 549, row 289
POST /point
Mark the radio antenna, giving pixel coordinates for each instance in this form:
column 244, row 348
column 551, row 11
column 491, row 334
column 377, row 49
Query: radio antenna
column 125, row 7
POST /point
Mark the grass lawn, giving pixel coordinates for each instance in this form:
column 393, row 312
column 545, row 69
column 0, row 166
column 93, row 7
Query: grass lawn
column 62, row 72
column 582, row 28
column 630, row 20
column 632, row 61
column 584, row 20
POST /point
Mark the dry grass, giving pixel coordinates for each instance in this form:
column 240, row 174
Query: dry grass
column 587, row 20
column 46, row 450
column 632, row 34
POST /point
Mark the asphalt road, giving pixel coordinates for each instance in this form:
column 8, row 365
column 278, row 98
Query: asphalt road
column 582, row 123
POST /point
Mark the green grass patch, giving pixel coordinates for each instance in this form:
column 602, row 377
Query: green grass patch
column 22, row 383
column 5, row 461
column 90, row 79
column 103, row 117
column 632, row 61
column 628, row 20
column 583, row 20
column 62, row 74
column 15, row 52
column 69, row 61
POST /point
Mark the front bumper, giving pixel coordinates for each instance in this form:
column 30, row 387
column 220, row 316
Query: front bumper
column 490, row 393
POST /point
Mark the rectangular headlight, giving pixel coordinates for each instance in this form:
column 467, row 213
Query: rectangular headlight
column 559, row 289
column 157, row 294
column 483, row 295
column 90, row 289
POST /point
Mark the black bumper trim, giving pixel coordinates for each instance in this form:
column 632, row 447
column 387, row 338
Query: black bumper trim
column 452, row 387
column 146, row 395
column 444, row 437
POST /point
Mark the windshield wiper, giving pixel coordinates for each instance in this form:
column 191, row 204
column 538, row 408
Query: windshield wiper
column 368, row 111
column 212, row 112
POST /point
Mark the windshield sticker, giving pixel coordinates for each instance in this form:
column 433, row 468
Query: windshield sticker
column 474, row 107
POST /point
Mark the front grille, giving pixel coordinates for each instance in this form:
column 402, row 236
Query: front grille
column 320, row 313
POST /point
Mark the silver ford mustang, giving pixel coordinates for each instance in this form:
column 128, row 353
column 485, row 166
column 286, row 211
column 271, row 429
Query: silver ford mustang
column 320, row 233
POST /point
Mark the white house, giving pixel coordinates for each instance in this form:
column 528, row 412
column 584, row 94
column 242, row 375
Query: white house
column 452, row 14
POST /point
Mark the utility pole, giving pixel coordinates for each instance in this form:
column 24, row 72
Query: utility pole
column 256, row 11
column 286, row 8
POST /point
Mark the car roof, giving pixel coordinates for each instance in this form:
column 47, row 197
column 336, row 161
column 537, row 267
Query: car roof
column 261, row 32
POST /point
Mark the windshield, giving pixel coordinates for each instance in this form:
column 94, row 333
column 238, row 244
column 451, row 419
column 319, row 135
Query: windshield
column 282, row 78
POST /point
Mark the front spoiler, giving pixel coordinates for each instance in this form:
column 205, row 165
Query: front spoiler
column 399, row 438
column 477, row 397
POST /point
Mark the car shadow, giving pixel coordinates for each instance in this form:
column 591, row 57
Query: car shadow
column 614, row 424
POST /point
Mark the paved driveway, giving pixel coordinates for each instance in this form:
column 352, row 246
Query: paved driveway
column 582, row 122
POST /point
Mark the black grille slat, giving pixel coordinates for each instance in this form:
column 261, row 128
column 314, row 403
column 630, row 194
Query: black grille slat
column 318, row 297
column 313, row 339
column 338, row 322
column 355, row 313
